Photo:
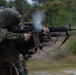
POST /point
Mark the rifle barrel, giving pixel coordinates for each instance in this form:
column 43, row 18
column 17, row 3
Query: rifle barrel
column 56, row 35
column 73, row 29
column 60, row 29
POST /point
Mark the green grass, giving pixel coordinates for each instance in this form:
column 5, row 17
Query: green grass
column 56, row 65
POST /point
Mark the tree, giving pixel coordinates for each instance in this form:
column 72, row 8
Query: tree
column 51, row 10
column 41, row 1
column 11, row 4
column 70, row 5
column 2, row 2
column 19, row 6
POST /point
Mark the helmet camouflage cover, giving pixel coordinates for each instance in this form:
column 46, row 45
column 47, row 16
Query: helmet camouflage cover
column 9, row 17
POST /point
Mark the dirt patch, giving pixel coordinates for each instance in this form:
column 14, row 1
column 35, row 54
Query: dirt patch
column 71, row 57
column 45, row 54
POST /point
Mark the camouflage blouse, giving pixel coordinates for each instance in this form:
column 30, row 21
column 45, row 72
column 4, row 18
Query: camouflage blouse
column 8, row 50
column 5, row 34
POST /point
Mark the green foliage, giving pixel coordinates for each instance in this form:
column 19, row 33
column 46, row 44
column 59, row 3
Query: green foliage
column 27, row 12
column 70, row 5
column 11, row 3
column 63, row 18
column 2, row 2
column 51, row 11
column 72, row 46
column 60, row 12
column 58, row 53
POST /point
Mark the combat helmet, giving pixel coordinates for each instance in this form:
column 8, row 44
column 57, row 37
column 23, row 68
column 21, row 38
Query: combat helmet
column 9, row 17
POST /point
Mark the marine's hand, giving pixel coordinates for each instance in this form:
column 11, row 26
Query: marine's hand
column 26, row 36
column 46, row 30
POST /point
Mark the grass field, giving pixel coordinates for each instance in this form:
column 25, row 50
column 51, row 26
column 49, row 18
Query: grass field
column 51, row 66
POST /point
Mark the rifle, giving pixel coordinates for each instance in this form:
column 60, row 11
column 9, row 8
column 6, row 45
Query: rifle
column 34, row 41
column 38, row 37
column 62, row 29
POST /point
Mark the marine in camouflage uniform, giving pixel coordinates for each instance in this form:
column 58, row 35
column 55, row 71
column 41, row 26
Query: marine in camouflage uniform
column 9, row 54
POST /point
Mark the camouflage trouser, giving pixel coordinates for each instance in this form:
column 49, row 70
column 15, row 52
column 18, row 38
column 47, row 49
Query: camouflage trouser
column 23, row 70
